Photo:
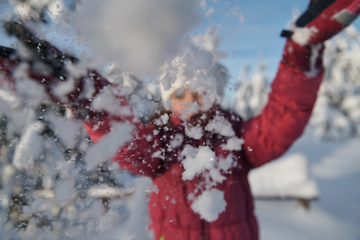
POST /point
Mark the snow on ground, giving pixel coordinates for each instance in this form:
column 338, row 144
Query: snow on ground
column 287, row 177
column 335, row 166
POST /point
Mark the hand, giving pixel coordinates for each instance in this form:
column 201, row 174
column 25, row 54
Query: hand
column 322, row 20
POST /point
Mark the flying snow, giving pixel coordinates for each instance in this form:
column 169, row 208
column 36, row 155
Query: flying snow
column 196, row 160
column 67, row 130
column 209, row 204
column 303, row 35
column 233, row 143
column 104, row 149
column 64, row 190
column 29, row 148
column 109, row 102
column 220, row 125
column 139, row 34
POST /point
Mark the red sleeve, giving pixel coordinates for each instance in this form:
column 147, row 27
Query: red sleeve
column 284, row 118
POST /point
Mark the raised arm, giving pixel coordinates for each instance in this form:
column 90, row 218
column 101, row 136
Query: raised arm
column 294, row 90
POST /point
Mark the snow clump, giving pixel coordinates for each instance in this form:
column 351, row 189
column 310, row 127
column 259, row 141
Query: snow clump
column 233, row 144
column 108, row 101
column 220, row 125
column 196, row 160
column 195, row 132
column 209, row 204
column 104, row 149
column 302, row 36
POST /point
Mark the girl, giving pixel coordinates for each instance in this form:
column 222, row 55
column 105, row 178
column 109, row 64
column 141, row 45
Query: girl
column 199, row 157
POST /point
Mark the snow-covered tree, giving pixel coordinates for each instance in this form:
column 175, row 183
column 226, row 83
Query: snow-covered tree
column 252, row 93
column 337, row 111
column 46, row 192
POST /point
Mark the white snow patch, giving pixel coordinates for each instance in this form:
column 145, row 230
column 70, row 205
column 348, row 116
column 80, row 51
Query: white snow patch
column 315, row 54
column 156, row 154
column 136, row 224
column 303, row 35
column 29, row 148
column 8, row 101
column 233, row 144
column 286, row 177
column 220, row 125
column 177, row 141
column 342, row 162
column 109, row 220
column 195, row 132
column 89, row 88
column 163, row 120
column 7, row 96
column 226, row 163
column 68, row 131
column 216, row 176
column 109, row 102
column 209, row 204
column 29, row 92
column 62, row 89
column 55, row 9
column 104, row 149
column 106, row 191
column 65, row 190
column 196, row 161
column 210, row 41
column 7, row 172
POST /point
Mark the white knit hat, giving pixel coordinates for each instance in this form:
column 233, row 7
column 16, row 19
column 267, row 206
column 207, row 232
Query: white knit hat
column 193, row 69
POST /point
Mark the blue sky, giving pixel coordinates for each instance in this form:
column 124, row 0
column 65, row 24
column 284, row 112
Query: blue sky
column 258, row 35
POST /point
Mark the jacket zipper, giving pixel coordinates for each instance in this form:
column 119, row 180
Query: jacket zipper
column 205, row 230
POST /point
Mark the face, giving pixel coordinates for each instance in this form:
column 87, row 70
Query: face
column 183, row 103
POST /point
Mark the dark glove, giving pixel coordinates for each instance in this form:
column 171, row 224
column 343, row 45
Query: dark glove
column 322, row 20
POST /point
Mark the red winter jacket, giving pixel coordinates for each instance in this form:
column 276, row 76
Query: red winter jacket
column 266, row 137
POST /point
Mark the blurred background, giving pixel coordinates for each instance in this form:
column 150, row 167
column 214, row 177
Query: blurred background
column 46, row 191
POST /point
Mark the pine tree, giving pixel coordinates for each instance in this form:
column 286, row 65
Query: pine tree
column 252, row 92
column 45, row 188
column 337, row 111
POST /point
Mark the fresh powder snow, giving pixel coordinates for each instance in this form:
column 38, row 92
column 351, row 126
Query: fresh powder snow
column 105, row 148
